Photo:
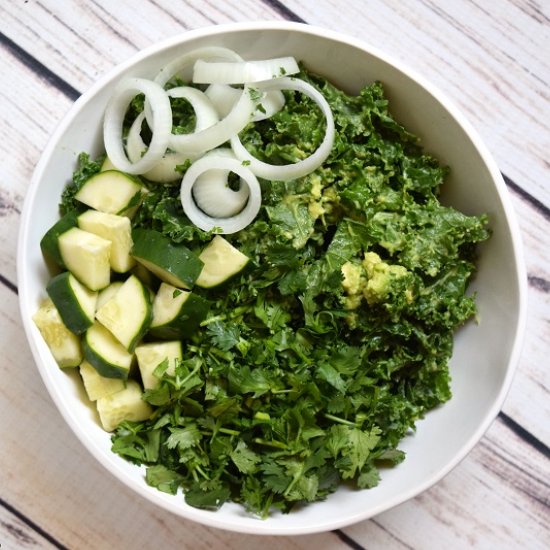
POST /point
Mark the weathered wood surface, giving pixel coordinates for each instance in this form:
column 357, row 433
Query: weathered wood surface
column 492, row 62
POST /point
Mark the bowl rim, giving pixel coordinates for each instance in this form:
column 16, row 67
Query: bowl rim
column 264, row 528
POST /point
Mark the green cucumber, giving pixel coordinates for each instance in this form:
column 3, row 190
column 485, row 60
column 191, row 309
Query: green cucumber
column 64, row 345
column 117, row 230
column 86, row 256
column 151, row 355
column 50, row 241
column 127, row 315
column 98, row 386
column 112, row 192
column 173, row 263
column 107, row 293
column 105, row 353
column 126, row 404
column 222, row 261
column 177, row 313
column 76, row 303
column 145, row 276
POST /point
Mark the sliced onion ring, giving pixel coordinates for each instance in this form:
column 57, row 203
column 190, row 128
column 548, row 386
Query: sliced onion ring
column 212, row 193
column 219, row 133
column 243, row 72
column 161, row 126
column 200, row 218
column 303, row 167
column 224, row 97
column 165, row 169
column 182, row 66
column 205, row 111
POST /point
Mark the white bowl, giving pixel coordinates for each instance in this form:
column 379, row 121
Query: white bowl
column 485, row 355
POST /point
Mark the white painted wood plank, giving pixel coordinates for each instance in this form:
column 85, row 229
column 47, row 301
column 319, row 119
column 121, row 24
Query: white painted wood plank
column 30, row 114
column 529, row 398
column 491, row 59
column 15, row 534
column 81, row 41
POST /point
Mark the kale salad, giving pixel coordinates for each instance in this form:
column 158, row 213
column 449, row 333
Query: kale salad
column 315, row 360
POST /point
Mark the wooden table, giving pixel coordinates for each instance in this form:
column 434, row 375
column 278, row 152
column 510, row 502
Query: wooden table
column 492, row 58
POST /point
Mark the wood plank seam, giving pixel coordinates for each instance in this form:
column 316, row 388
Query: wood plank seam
column 283, row 11
column 34, row 526
column 38, row 68
column 534, row 202
column 539, row 283
column 524, row 434
column 8, row 284
column 392, row 535
column 346, row 539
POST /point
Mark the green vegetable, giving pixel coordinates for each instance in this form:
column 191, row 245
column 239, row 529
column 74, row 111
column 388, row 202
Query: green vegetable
column 318, row 359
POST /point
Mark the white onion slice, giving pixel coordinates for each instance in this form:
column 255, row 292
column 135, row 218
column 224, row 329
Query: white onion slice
column 224, row 97
column 165, row 169
column 230, row 125
column 303, row 167
column 183, row 66
column 204, row 221
column 205, row 111
column 220, row 72
column 212, row 193
column 161, row 126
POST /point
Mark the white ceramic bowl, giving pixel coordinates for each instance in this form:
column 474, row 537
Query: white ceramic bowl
column 485, row 355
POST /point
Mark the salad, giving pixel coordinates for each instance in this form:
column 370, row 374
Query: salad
column 257, row 281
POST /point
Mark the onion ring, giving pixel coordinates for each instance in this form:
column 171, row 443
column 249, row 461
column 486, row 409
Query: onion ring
column 243, row 72
column 224, row 97
column 212, row 193
column 161, row 126
column 222, row 131
column 204, row 221
column 303, row 167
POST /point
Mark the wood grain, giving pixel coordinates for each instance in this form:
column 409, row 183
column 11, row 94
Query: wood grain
column 16, row 534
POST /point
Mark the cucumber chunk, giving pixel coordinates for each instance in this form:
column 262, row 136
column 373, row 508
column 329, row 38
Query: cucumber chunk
column 64, row 345
column 76, row 303
column 173, row 263
column 112, row 192
column 126, row 404
column 221, row 262
column 87, row 257
column 98, row 386
column 127, row 315
column 145, row 276
column 105, row 353
column 50, row 241
column 117, row 230
column 107, row 293
column 177, row 313
column 150, row 355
